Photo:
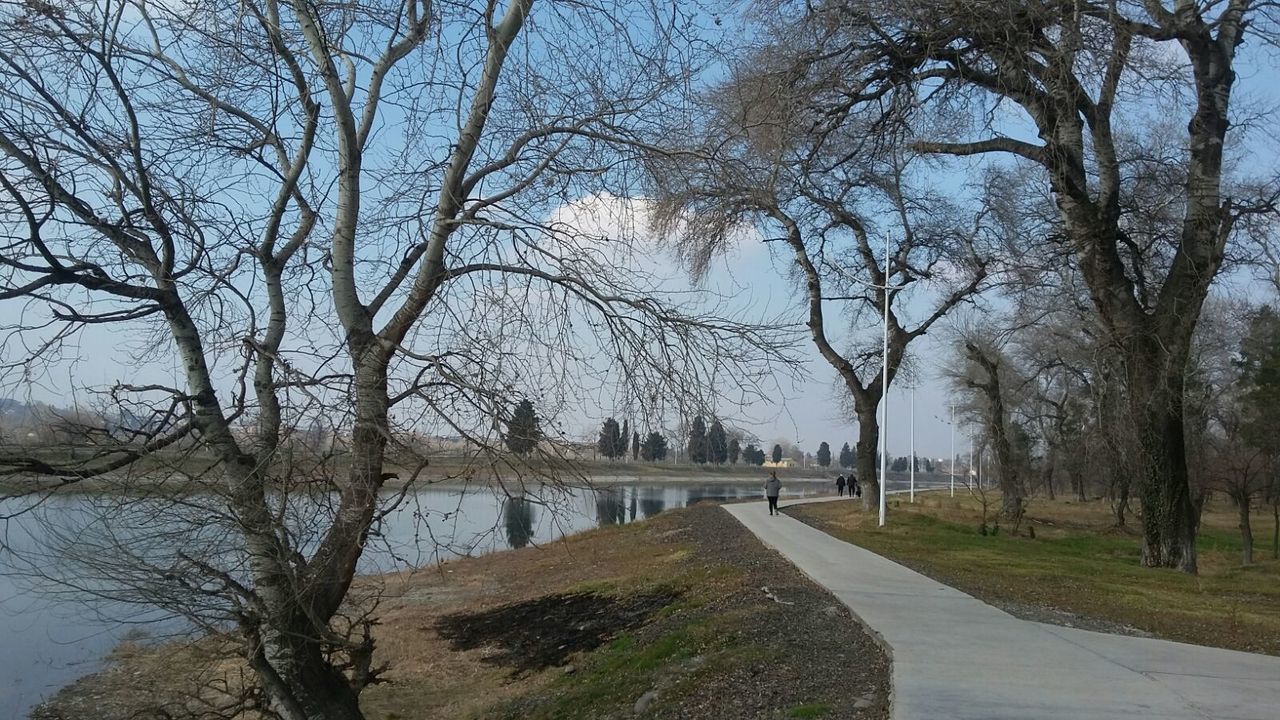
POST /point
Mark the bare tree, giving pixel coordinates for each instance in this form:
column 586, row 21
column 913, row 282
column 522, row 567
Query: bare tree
column 988, row 375
column 1084, row 74
column 339, row 222
column 863, row 230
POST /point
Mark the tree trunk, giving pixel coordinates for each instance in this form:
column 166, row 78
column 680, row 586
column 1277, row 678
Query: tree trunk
column 1169, row 517
column 1245, row 504
column 1275, row 533
column 1013, row 494
column 1049, row 462
column 868, row 471
column 301, row 683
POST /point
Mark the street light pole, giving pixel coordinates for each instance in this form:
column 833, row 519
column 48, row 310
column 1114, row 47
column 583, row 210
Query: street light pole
column 951, row 463
column 913, row 439
column 884, row 386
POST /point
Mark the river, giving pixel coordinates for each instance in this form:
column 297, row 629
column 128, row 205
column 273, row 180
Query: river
column 53, row 636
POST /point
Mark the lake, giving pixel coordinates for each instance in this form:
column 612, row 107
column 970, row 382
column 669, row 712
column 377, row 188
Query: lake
column 52, row 636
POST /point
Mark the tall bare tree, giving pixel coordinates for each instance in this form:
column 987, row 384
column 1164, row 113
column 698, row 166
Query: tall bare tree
column 865, row 233
column 342, row 223
column 1084, row 74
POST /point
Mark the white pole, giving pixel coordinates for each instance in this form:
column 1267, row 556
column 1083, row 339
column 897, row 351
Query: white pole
column 973, row 453
column 951, row 464
column 884, row 387
column 913, row 440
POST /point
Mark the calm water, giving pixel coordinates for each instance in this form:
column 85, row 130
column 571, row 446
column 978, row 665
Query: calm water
column 50, row 556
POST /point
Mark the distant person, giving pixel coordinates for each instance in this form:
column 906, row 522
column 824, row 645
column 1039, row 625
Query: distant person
column 840, row 486
column 772, row 487
column 855, row 489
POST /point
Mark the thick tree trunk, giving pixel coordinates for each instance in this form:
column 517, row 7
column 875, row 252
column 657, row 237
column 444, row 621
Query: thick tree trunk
column 1169, row 516
column 868, row 470
column 301, row 682
column 292, row 663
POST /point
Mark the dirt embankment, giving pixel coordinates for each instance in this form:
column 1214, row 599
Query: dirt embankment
column 684, row 616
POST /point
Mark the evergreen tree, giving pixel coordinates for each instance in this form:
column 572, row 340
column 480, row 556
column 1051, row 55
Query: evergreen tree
column 654, row 447
column 846, row 456
column 717, row 444
column 777, row 453
column 753, row 455
column 610, row 442
column 824, row 454
column 523, row 432
column 734, row 451
column 635, row 445
column 698, row 441
column 1259, row 364
column 624, row 438
column 899, row 464
column 928, row 465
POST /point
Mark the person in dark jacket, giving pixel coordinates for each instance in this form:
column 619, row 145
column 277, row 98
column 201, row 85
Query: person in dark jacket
column 855, row 489
column 772, row 487
column 840, row 485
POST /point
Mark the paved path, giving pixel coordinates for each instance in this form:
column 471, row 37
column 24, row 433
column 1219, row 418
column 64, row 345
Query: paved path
column 955, row 657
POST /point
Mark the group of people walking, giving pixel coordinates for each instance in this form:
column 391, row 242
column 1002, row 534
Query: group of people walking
column 773, row 488
column 855, row 490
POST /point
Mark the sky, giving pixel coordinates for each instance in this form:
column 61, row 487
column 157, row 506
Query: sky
column 805, row 412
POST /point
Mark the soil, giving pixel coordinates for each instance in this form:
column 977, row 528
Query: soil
column 816, row 650
column 543, row 633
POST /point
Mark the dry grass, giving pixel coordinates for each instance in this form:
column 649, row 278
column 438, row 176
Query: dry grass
column 430, row 680
column 1080, row 563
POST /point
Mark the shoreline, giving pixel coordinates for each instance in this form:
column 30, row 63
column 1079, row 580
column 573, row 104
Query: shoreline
column 692, row 653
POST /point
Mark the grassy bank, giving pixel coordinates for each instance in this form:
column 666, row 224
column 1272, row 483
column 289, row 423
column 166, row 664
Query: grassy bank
column 686, row 609
column 1080, row 565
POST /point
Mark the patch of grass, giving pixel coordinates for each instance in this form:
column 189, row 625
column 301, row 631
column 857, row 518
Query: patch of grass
column 618, row 674
column 1079, row 563
column 809, row 710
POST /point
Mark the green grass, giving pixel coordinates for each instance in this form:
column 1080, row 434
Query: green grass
column 810, row 710
column 1077, row 564
column 620, row 672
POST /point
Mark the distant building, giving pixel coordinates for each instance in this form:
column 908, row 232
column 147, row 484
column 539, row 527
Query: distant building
column 783, row 463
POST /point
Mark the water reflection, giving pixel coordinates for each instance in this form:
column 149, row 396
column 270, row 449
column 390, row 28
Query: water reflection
column 611, row 508
column 711, row 493
column 517, row 515
column 652, row 503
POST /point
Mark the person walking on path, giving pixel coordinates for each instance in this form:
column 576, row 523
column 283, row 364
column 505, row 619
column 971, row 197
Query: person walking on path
column 855, row 490
column 840, row 485
column 772, row 487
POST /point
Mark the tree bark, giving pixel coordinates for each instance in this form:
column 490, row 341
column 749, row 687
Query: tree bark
column 1049, row 461
column 1169, row 516
column 1244, row 502
column 868, row 470
column 1275, row 532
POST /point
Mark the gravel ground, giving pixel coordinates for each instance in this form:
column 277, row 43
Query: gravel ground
column 820, row 654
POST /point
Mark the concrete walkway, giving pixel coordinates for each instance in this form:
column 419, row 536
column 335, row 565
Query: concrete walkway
column 955, row 657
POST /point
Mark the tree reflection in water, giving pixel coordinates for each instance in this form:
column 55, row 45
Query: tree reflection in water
column 517, row 514
column 652, row 503
column 611, row 508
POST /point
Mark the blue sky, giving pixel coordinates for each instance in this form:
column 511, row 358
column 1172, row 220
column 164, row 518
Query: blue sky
column 805, row 412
